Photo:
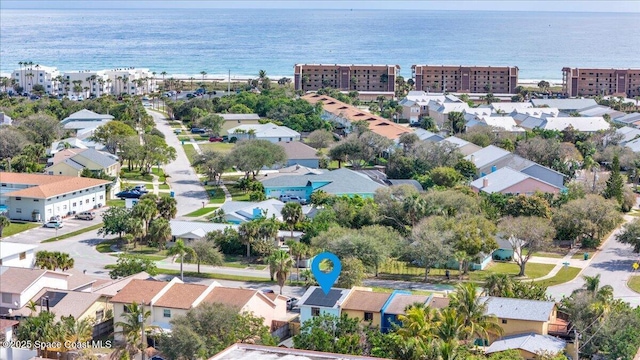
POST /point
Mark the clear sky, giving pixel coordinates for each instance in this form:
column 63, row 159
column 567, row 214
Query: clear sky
column 475, row 5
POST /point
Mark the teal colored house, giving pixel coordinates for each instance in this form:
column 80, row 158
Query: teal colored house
column 315, row 302
column 337, row 182
column 504, row 251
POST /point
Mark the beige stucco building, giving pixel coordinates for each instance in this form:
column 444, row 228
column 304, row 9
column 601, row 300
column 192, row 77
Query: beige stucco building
column 591, row 82
column 465, row 79
column 366, row 78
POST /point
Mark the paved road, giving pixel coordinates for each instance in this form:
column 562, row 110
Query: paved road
column 614, row 264
column 189, row 193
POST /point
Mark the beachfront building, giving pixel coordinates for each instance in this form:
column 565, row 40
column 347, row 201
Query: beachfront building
column 31, row 74
column 85, row 83
column 466, row 79
column 591, row 82
column 131, row 81
column 361, row 78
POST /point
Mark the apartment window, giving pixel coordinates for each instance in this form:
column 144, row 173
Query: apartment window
column 126, row 309
column 36, row 200
column 101, row 197
column 18, row 198
column 315, row 311
column 99, row 315
column 18, row 211
column 74, row 204
column 167, row 313
column 23, row 255
column 6, row 298
column 504, row 321
column 64, row 207
column 73, row 193
column 368, row 316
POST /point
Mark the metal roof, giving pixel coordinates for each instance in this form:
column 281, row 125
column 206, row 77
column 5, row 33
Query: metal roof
column 565, row 104
column 532, row 343
column 487, row 155
column 519, row 309
column 340, row 181
column 499, row 180
column 97, row 157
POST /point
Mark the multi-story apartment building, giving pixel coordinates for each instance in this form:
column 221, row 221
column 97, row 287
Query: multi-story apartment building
column 131, row 81
column 586, row 82
column 31, row 74
column 85, row 82
column 466, row 79
column 365, row 78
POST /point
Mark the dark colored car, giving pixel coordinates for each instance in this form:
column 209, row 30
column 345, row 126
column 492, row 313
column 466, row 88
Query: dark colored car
column 200, row 91
column 216, row 139
column 197, row 131
column 129, row 194
column 189, row 96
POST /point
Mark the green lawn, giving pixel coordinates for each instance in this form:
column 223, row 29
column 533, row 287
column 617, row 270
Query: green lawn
column 201, row 212
column 532, row 270
column 115, row 203
column 564, row 275
column 214, row 276
column 190, row 151
column 135, row 175
column 580, row 254
column 239, row 263
column 220, row 147
column 387, row 290
column 18, row 227
column 73, row 233
column 164, row 187
column 238, row 194
column 216, row 195
column 105, row 246
column 634, row 283
column 164, row 194
column 554, row 255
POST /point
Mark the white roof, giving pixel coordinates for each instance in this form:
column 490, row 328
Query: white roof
column 634, row 145
column 84, row 125
column 265, row 130
column 599, row 110
column 538, row 112
column 532, row 343
column 509, row 107
column 628, row 133
column 8, row 249
column 229, row 117
column 86, row 115
column 181, row 227
column 565, row 104
column 423, row 98
column 629, row 118
column 487, row 155
column 426, row 135
column 499, row 180
column 586, row 124
column 447, row 107
column 457, row 141
column 479, row 111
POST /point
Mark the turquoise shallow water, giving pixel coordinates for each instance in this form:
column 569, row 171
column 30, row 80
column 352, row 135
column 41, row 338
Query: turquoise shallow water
column 186, row 42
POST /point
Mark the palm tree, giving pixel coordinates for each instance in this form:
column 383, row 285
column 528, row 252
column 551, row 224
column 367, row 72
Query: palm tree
column 4, row 222
column 145, row 210
column 262, row 74
column 159, row 232
column 449, row 325
column 461, row 257
column 298, row 250
column 292, row 214
column 282, row 263
column 419, row 322
column 164, row 85
column 64, row 261
column 179, row 249
column 203, row 73
column 167, row 207
column 75, row 331
column 498, row 285
column 32, row 306
column 131, row 328
column 472, row 310
column 593, row 166
column 415, row 208
column 248, row 232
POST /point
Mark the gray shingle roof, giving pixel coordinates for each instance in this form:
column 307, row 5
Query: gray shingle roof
column 85, row 114
column 533, row 343
column 565, row 104
column 340, row 181
column 519, row 309
column 487, row 155
column 297, row 150
column 97, row 157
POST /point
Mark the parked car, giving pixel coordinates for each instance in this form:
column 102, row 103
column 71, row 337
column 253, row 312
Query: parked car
column 141, row 188
column 197, row 131
column 86, row 215
column 129, row 194
column 200, row 91
column 292, row 302
column 146, row 98
column 189, row 96
column 53, row 224
column 292, row 198
column 57, row 217
column 216, row 139
column 177, row 131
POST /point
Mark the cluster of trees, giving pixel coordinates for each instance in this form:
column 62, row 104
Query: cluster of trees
column 361, row 147
column 248, row 156
column 274, row 104
column 42, row 327
column 425, row 333
column 53, row 260
column 23, row 147
column 147, row 221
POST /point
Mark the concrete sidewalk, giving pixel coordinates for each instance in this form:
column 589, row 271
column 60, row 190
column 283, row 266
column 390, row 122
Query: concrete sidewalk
column 560, row 263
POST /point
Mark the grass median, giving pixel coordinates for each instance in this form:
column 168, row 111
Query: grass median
column 74, row 233
column 634, row 283
column 201, row 212
column 565, row 274
column 215, row 276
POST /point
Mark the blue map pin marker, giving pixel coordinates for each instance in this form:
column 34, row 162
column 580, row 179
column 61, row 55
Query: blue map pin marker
column 326, row 280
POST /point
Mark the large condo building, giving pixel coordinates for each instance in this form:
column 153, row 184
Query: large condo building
column 466, row 79
column 585, row 82
column 30, row 75
column 85, row 82
column 371, row 78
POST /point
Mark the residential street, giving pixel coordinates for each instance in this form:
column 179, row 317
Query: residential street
column 614, row 264
column 189, row 193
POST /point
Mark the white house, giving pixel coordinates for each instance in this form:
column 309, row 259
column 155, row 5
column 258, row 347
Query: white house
column 269, row 131
column 17, row 254
column 440, row 111
column 34, row 74
column 131, row 81
column 90, row 83
column 38, row 197
column 579, row 123
column 19, row 285
column 5, row 119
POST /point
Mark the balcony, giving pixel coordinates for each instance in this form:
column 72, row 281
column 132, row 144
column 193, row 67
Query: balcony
column 559, row 328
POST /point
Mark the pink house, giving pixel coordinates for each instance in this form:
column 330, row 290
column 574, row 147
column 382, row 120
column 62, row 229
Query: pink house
column 509, row 181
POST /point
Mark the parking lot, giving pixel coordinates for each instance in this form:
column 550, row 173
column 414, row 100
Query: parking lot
column 36, row 235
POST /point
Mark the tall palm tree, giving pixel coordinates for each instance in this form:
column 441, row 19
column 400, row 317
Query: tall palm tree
column 476, row 322
column 167, row 207
column 292, row 214
column 298, row 250
column 4, row 222
column 418, row 322
column 145, row 210
column 449, row 325
column 498, row 285
column 593, row 166
column 179, row 249
column 159, row 232
column 282, row 263
column 21, row 81
column 130, row 328
column 461, row 257
column 415, row 207
column 75, row 331
column 249, row 232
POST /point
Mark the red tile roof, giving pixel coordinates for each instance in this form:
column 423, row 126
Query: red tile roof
column 46, row 186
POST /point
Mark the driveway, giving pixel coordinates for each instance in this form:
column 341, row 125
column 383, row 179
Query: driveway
column 614, row 264
column 36, row 235
column 189, row 192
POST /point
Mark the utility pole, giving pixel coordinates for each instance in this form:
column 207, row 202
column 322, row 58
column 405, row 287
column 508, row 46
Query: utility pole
column 576, row 344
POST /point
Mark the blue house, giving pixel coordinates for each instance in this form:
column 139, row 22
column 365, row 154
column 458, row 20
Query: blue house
column 337, row 182
column 504, row 250
column 315, row 302
column 400, row 300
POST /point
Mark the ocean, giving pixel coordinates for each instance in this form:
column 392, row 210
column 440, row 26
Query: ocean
column 185, row 42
